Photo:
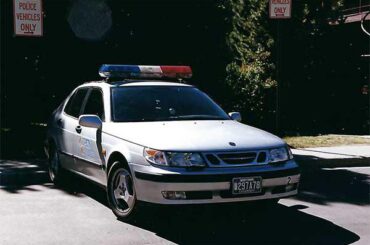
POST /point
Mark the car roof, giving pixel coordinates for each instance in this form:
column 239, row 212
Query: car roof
column 130, row 83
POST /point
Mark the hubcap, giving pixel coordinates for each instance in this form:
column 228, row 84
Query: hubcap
column 122, row 191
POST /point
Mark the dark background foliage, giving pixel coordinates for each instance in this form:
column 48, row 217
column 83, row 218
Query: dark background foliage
column 231, row 45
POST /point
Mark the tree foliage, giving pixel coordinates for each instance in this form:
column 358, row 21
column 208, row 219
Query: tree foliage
column 249, row 45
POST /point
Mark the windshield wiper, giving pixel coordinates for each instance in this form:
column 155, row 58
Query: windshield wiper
column 198, row 117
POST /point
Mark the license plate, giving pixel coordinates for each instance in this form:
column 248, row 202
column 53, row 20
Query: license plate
column 246, row 185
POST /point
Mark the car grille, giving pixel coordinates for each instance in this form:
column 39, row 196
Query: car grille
column 237, row 158
column 228, row 159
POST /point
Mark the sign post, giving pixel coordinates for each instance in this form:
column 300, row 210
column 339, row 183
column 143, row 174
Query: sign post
column 28, row 18
column 279, row 9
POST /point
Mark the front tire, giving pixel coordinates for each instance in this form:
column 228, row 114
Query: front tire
column 121, row 193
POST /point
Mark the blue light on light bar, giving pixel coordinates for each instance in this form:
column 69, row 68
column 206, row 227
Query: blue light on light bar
column 143, row 71
column 119, row 70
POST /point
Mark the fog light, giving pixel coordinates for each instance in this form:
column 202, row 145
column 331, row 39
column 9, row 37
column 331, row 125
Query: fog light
column 174, row 195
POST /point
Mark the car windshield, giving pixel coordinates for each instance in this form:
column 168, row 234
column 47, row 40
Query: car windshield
column 163, row 103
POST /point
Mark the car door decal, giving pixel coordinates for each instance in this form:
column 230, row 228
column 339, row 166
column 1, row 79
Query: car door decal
column 85, row 148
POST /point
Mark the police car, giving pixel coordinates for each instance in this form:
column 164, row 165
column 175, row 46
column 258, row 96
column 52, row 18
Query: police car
column 146, row 136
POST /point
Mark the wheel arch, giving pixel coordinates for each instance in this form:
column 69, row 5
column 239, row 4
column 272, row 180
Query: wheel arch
column 116, row 156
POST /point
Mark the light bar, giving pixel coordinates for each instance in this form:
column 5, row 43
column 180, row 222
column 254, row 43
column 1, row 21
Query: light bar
column 143, row 71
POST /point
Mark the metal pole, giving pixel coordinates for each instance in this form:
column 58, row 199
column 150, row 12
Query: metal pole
column 278, row 80
column 368, row 92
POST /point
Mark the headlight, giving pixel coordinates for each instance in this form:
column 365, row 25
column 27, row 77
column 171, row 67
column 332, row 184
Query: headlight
column 185, row 159
column 280, row 155
column 175, row 159
column 156, row 157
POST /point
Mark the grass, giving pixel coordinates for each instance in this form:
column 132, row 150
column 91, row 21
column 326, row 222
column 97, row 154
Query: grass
column 325, row 140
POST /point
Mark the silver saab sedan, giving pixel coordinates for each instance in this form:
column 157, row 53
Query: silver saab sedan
column 147, row 139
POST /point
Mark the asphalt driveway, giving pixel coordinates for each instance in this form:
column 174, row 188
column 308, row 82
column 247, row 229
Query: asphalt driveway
column 333, row 207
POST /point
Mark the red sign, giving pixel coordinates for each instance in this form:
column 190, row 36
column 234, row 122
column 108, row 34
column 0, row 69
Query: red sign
column 28, row 17
column 280, row 9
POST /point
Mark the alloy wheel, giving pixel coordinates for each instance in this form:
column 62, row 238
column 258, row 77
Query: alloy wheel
column 122, row 191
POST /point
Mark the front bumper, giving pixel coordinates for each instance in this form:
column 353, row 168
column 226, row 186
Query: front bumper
column 213, row 185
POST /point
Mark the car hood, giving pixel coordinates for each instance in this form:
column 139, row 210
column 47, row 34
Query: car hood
column 200, row 135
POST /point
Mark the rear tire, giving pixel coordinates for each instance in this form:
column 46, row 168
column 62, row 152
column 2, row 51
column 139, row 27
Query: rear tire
column 121, row 193
column 54, row 169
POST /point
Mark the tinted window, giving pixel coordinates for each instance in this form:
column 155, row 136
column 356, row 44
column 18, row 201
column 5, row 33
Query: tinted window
column 74, row 104
column 94, row 104
column 163, row 103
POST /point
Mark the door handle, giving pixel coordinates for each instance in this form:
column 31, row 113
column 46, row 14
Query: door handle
column 78, row 129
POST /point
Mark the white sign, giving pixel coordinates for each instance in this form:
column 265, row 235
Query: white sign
column 280, row 9
column 28, row 17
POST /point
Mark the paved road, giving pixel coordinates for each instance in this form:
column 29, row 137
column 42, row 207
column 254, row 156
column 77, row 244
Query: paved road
column 333, row 208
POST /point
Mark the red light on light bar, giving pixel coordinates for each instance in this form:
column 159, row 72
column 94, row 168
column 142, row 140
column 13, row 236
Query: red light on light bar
column 177, row 71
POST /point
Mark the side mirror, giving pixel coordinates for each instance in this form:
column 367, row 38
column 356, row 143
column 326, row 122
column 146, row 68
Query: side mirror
column 91, row 121
column 235, row 116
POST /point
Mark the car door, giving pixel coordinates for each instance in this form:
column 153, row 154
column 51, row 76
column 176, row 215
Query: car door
column 88, row 152
column 68, row 122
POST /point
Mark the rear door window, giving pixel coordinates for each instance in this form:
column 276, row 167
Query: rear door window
column 74, row 104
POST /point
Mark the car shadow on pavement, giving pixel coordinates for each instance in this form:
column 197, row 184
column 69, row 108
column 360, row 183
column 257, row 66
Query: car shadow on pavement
column 236, row 223
column 241, row 224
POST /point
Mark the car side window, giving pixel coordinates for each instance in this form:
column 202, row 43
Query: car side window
column 74, row 104
column 94, row 104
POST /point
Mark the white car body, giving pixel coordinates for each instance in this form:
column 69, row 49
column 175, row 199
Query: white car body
column 90, row 153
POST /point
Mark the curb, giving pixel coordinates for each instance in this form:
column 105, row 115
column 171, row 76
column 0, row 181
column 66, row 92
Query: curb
column 332, row 163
